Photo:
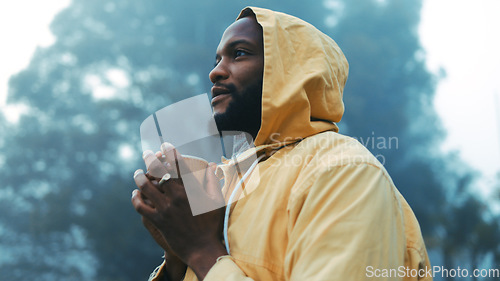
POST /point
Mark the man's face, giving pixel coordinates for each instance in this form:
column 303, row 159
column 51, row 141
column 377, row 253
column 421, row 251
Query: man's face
column 237, row 78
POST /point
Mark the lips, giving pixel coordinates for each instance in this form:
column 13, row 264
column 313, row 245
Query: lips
column 219, row 93
column 217, row 99
column 219, row 90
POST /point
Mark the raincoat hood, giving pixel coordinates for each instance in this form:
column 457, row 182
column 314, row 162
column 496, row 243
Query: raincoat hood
column 304, row 77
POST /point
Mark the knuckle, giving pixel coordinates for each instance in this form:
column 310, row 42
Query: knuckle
column 139, row 208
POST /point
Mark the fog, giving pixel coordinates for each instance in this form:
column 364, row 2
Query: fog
column 67, row 164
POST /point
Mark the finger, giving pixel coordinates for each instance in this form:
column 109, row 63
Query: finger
column 147, row 188
column 154, row 166
column 159, row 155
column 170, row 169
column 162, row 159
column 175, row 160
column 155, row 233
column 213, row 188
column 168, row 150
column 140, row 206
column 147, row 201
column 152, row 178
column 153, row 181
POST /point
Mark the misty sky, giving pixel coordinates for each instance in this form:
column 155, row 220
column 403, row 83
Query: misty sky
column 458, row 35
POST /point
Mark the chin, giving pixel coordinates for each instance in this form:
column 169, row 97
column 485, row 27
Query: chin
column 223, row 121
column 219, row 110
column 221, row 106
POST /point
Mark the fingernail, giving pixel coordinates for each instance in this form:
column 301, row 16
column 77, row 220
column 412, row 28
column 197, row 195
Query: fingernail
column 138, row 172
column 146, row 153
column 140, row 179
column 166, row 146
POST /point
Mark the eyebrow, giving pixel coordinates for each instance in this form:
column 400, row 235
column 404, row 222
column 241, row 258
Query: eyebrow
column 240, row 41
column 234, row 43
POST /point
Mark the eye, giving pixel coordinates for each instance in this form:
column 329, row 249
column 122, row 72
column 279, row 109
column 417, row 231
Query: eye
column 239, row 53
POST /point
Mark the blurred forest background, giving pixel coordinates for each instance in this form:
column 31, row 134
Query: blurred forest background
column 67, row 165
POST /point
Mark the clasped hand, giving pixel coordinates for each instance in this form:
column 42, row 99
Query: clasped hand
column 166, row 211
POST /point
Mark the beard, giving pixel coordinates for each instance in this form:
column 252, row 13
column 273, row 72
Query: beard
column 243, row 113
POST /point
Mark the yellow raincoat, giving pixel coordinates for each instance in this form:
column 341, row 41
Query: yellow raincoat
column 320, row 207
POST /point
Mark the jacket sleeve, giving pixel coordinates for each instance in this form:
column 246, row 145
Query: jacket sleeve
column 345, row 225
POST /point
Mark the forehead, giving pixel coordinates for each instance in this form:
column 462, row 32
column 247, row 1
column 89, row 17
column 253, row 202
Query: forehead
column 245, row 28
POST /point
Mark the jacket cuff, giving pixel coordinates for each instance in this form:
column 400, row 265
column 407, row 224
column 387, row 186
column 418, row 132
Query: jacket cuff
column 223, row 269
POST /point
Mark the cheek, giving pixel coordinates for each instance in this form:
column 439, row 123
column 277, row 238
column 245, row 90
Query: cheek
column 252, row 78
column 256, row 70
column 251, row 70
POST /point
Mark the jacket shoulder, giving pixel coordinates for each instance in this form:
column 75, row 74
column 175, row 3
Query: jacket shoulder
column 334, row 149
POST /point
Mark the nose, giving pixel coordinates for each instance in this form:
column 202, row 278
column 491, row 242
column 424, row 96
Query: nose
column 218, row 73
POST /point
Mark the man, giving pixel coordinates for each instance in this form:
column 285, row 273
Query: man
column 320, row 208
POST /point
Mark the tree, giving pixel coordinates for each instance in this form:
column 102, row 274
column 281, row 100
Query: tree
column 65, row 190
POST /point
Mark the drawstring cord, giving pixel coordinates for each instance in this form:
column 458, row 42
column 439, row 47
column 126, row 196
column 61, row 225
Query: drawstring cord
column 231, row 198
